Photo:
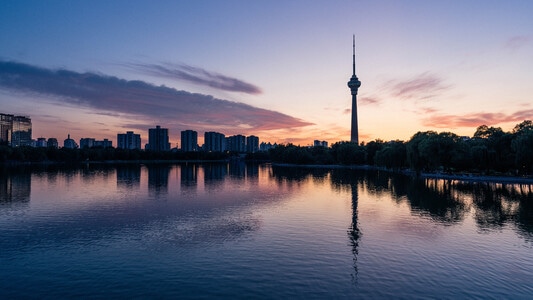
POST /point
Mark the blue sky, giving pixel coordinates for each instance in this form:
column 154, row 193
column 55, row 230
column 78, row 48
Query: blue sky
column 276, row 69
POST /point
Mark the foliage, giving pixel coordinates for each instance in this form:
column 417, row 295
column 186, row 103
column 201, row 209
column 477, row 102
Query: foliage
column 347, row 153
column 522, row 145
column 393, row 155
column 489, row 150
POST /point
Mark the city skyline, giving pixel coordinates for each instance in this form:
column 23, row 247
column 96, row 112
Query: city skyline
column 276, row 70
column 17, row 131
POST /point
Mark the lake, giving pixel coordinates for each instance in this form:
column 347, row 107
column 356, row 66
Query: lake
column 196, row 231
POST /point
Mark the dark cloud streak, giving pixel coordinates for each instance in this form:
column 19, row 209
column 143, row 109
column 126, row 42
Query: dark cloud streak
column 517, row 42
column 110, row 94
column 423, row 86
column 369, row 101
column 197, row 76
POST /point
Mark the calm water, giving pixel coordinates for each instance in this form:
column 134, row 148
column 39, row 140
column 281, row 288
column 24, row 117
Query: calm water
column 256, row 231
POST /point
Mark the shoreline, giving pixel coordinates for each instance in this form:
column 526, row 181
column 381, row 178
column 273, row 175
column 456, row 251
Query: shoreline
column 460, row 177
column 468, row 177
column 109, row 162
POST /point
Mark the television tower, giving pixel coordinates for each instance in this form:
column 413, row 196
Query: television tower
column 354, row 85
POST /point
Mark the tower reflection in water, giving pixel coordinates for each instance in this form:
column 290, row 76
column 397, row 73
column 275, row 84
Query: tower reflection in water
column 344, row 180
column 349, row 180
column 354, row 233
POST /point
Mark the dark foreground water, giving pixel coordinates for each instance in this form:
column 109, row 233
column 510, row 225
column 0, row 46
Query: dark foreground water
column 249, row 231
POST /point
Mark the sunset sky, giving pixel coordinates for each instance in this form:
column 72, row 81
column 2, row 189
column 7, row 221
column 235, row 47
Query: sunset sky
column 275, row 69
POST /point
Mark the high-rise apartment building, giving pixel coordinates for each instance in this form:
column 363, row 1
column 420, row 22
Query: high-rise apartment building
column 236, row 143
column 129, row 140
column 214, row 142
column 189, row 140
column 252, row 144
column 6, row 127
column 21, row 134
column 87, row 143
column 158, row 139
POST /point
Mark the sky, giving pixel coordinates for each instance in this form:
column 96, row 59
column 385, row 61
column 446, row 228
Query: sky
column 274, row 69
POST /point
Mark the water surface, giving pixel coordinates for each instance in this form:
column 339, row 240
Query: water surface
column 257, row 231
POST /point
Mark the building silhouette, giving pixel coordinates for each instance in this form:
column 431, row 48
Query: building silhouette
column 189, row 141
column 252, row 144
column 129, row 140
column 40, row 143
column 267, row 146
column 6, row 127
column 21, row 131
column 318, row 143
column 92, row 142
column 214, row 142
column 70, row 143
column 52, row 143
column 16, row 131
column 354, row 85
column 105, row 143
column 87, row 143
column 158, row 139
column 236, row 143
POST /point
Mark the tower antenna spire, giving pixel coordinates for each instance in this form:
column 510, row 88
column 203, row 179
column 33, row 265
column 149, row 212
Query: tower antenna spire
column 353, row 55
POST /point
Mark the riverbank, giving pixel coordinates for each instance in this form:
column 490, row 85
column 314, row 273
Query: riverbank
column 108, row 162
column 467, row 177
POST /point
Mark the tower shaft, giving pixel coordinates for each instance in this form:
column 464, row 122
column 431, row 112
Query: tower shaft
column 354, row 137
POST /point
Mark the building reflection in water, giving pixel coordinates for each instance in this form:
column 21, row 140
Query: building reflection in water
column 158, row 178
column 189, row 175
column 237, row 169
column 129, row 176
column 214, row 175
column 252, row 170
column 252, row 173
column 215, row 172
column 15, row 186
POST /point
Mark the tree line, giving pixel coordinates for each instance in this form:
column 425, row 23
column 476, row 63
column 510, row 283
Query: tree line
column 489, row 151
